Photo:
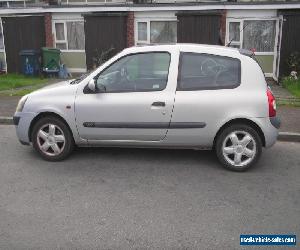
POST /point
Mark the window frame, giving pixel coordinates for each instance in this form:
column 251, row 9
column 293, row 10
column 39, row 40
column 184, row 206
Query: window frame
column 235, row 42
column 1, row 28
column 137, row 41
column 148, row 21
column 233, row 86
column 64, row 22
column 241, row 21
column 85, row 89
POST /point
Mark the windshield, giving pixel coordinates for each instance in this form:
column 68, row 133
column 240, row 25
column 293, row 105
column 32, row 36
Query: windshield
column 82, row 77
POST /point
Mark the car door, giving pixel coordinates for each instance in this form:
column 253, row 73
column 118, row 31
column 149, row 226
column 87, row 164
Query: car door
column 136, row 102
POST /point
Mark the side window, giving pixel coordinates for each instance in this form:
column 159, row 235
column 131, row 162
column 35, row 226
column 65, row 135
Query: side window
column 137, row 73
column 205, row 71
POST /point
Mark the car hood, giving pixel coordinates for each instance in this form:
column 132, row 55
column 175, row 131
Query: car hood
column 56, row 88
column 55, row 85
column 52, row 96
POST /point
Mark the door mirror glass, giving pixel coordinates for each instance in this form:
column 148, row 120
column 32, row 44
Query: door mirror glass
column 95, row 87
column 92, row 85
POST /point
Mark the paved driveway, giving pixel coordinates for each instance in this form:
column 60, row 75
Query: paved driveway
column 8, row 105
column 137, row 198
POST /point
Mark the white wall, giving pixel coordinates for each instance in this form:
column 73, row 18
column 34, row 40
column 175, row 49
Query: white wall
column 67, row 16
column 251, row 13
column 155, row 14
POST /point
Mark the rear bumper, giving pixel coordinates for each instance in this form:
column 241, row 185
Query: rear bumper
column 275, row 121
column 269, row 127
column 22, row 121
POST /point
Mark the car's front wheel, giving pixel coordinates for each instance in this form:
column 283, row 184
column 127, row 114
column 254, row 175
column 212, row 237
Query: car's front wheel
column 238, row 147
column 52, row 139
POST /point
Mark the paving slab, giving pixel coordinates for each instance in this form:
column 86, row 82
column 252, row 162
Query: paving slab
column 290, row 118
column 8, row 105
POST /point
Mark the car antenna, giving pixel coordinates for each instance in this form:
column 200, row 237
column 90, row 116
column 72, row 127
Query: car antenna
column 228, row 44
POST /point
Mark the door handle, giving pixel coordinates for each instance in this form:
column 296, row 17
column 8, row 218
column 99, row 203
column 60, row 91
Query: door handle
column 158, row 104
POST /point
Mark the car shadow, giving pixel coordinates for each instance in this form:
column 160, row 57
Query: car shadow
column 101, row 157
column 147, row 154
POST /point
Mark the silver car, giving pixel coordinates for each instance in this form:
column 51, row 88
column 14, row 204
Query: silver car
column 164, row 96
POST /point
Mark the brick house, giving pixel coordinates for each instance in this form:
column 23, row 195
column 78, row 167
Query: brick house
column 81, row 28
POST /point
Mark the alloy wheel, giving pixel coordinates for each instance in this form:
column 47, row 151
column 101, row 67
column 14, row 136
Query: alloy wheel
column 51, row 139
column 239, row 148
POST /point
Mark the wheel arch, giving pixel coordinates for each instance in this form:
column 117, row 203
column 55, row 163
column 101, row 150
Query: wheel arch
column 46, row 114
column 245, row 121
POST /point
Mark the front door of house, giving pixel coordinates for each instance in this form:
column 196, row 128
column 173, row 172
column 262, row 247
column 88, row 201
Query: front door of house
column 20, row 33
column 105, row 36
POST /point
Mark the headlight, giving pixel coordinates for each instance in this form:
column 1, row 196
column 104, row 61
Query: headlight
column 21, row 104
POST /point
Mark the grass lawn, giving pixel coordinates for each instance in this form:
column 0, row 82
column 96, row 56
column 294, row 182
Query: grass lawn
column 293, row 86
column 13, row 81
column 288, row 103
column 25, row 91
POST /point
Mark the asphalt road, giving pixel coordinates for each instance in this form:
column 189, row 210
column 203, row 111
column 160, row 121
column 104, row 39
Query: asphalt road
column 143, row 198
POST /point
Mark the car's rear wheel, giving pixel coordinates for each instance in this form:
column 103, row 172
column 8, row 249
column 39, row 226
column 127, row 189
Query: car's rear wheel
column 52, row 139
column 238, row 147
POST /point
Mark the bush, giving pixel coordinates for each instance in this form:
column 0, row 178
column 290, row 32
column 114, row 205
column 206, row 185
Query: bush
column 293, row 62
column 292, row 85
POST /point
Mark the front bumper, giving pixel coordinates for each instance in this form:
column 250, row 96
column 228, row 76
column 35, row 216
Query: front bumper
column 16, row 120
column 22, row 121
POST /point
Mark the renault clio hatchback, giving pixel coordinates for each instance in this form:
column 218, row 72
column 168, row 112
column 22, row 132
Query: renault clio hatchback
column 165, row 96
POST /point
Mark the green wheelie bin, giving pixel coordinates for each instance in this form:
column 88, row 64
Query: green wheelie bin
column 51, row 60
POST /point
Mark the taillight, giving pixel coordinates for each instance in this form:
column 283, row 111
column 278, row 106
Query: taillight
column 272, row 103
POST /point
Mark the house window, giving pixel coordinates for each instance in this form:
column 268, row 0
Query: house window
column 69, row 35
column 156, row 31
column 60, row 38
column 163, row 32
column 142, row 31
column 234, row 34
column 257, row 35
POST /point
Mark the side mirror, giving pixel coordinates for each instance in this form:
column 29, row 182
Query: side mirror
column 92, row 85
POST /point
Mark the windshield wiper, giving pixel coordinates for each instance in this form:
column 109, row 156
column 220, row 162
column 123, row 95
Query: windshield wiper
column 75, row 81
column 78, row 80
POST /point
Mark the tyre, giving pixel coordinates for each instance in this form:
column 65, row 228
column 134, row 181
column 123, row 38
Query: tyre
column 238, row 147
column 52, row 139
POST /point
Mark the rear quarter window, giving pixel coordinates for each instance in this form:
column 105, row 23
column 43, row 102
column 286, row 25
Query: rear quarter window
column 205, row 71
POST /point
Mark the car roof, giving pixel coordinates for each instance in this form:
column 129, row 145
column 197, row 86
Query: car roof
column 185, row 46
